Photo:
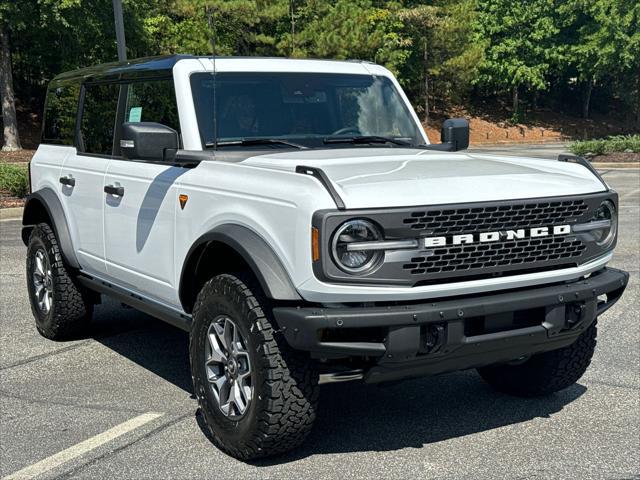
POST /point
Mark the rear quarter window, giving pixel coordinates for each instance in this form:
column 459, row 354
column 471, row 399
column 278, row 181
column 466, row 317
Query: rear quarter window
column 60, row 113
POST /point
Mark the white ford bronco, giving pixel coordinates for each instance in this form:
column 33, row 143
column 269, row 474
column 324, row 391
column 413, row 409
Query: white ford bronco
column 292, row 216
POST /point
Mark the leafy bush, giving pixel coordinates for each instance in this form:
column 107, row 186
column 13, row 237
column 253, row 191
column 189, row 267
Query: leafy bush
column 619, row 143
column 14, row 180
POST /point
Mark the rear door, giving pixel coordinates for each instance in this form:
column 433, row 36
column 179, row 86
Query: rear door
column 139, row 238
column 82, row 174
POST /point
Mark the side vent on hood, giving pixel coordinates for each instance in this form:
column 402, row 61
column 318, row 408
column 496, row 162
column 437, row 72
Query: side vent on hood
column 324, row 180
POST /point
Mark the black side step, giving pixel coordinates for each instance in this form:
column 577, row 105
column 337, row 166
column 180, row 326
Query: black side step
column 324, row 180
column 180, row 320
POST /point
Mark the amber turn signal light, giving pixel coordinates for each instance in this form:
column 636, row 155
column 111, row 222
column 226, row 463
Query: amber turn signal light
column 315, row 245
column 183, row 200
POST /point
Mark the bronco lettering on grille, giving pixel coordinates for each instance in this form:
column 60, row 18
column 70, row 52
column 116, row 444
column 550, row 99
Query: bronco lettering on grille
column 486, row 237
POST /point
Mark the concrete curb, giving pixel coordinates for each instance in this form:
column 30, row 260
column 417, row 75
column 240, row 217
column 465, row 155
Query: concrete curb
column 11, row 213
column 625, row 165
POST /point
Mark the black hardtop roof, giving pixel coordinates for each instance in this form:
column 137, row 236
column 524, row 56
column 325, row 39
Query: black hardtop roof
column 135, row 68
column 145, row 67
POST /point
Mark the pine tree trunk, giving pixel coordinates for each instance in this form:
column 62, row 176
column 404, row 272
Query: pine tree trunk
column 9, row 120
column 638, row 102
column 293, row 29
column 515, row 100
column 586, row 99
column 426, row 83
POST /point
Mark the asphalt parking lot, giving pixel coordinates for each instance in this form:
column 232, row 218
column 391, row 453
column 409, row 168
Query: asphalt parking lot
column 130, row 381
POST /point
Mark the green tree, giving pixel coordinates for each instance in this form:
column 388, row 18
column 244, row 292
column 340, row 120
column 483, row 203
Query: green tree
column 420, row 22
column 9, row 24
column 444, row 54
column 456, row 54
column 602, row 39
column 346, row 29
column 239, row 27
column 520, row 45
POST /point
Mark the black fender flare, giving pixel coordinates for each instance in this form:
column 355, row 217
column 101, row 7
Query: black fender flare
column 52, row 205
column 254, row 250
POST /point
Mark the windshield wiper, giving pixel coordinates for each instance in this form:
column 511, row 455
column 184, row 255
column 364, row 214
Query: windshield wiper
column 366, row 139
column 254, row 141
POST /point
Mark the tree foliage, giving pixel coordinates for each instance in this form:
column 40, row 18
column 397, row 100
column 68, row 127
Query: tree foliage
column 448, row 51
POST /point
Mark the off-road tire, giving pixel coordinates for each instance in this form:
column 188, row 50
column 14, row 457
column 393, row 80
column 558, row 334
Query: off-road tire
column 544, row 373
column 72, row 305
column 283, row 408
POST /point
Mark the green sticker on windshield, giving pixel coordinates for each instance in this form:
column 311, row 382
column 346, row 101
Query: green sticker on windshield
column 135, row 114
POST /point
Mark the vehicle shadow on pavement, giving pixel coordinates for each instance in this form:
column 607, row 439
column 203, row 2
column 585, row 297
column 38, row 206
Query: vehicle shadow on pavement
column 352, row 417
column 363, row 418
column 154, row 345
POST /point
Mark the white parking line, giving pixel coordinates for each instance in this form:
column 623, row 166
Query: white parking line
column 83, row 447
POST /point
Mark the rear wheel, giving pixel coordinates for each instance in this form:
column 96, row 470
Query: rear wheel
column 257, row 396
column 544, row 373
column 62, row 308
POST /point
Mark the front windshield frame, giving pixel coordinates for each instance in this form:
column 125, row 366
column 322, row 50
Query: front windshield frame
column 376, row 93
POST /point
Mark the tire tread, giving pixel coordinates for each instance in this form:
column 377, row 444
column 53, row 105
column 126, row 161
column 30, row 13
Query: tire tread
column 71, row 307
column 290, row 378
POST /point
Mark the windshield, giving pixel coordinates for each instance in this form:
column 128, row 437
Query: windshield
column 310, row 109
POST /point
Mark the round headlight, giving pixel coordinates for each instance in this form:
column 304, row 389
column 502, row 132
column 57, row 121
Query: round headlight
column 606, row 212
column 356, row 261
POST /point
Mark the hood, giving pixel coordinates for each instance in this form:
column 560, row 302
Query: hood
column 395, row 177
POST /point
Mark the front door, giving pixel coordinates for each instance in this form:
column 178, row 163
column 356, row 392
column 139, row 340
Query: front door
column 139, row 223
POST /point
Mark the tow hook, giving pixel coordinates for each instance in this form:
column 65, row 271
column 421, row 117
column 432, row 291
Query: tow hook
column 575, row 314
column 434, row 338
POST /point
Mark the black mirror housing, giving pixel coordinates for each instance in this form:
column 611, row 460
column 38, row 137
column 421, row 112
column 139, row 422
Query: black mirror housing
column 148, row 141
column 455, row 132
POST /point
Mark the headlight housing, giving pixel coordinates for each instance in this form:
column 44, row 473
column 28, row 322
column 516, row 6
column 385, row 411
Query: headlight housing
column 608, row 216
column 356, row 262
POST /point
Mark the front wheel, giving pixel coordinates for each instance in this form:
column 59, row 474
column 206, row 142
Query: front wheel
column 258, row 397
column 547, row 372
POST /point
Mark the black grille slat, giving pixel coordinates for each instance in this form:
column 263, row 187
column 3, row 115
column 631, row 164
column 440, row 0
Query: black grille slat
column 503, row 217
column 520, row 252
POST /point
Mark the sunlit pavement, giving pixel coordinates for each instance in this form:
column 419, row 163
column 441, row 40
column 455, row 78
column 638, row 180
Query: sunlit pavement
column 129, row 384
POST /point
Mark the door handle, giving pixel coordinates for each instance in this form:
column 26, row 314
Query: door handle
column 68, row 181
column 113, row 190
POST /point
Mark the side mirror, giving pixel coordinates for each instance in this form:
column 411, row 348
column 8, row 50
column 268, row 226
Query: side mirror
column 455, row 132
column 148, row 141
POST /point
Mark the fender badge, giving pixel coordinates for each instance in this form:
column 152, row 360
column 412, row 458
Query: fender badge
column 183, row 200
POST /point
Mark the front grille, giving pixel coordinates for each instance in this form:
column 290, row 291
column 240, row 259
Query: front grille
column 474, row 260
column 496, row 217
column 520, row 252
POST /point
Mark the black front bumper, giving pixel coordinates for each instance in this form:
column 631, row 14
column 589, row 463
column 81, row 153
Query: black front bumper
column 453, row 334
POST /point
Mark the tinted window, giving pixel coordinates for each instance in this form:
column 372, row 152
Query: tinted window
column 60, row 113
column 98, row 118
column 153, row 101
column 300, row 106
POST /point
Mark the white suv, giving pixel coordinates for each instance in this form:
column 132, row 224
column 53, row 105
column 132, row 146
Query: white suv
column 294, row 218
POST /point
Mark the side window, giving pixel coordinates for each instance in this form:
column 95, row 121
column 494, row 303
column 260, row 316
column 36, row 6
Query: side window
column 99, row 117
column 60, row 113
column 152, row 101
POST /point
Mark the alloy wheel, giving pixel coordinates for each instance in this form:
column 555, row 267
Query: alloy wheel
column 228, row 367
column 42, row 281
